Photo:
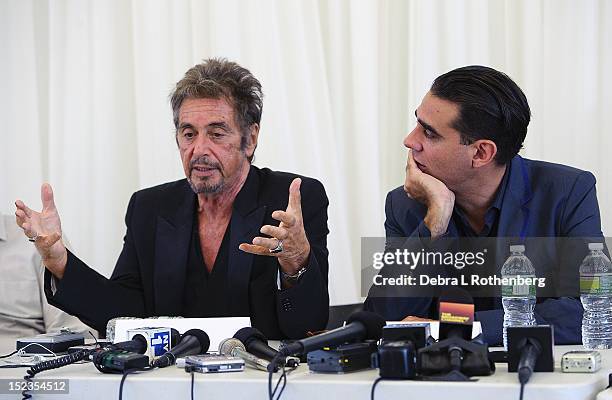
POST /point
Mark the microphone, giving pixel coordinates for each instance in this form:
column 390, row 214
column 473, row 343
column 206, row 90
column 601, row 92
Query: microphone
column 256, row 343
column 530, row 349
column 234, row 347
column 456, row 314
column 194, row 341
column 529, row 355
column 360, row 326
column 141, row 341
column 137, row 345
column 134, row 353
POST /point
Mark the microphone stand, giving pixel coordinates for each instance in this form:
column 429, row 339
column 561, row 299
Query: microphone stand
column 447, row 359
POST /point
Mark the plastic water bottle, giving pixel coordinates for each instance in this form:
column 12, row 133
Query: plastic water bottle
column 518, row 296
column 596, row 296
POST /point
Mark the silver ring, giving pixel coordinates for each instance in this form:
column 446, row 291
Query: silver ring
column 278, row 248
column 33, row 238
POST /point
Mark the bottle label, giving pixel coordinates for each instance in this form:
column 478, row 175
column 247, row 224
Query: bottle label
column 597, row 284
column 518, row 285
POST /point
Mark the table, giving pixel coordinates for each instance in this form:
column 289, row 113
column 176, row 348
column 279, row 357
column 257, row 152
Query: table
column 173, row 383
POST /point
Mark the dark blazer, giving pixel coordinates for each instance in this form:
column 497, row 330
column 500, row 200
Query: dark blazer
column 149, row 277
column 541, row 200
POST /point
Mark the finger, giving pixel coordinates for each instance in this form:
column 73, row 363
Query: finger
column 257, row 250
column 20, row 217
column 277, row 232
column 21, row 206
column 46, row 195
column 295, row 197
column 284, row 217
column 410, row 164
column 27, row 229
column 268, row 243
column 414, row 318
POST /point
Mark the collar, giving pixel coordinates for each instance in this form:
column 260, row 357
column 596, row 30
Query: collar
column 246, row 200
column 180, row 209
column 3, row 233
column 519, row 183
column 501, row 191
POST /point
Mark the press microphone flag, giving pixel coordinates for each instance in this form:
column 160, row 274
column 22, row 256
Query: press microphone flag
column 456, row 314
column 194, row 341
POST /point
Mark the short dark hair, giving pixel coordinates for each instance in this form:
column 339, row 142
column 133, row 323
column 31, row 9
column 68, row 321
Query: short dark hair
column 215, row 78
column 491, row 106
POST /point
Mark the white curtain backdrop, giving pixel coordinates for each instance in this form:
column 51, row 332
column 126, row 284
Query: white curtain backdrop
column 84, row 97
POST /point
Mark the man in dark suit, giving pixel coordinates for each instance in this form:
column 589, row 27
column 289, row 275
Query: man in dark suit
column 229, row 240
column 464, row 178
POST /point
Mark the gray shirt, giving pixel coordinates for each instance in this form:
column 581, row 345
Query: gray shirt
column 24, row 310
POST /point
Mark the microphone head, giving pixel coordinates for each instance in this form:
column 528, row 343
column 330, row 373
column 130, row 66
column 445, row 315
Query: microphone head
column 175, row 337
column 372, row 322
column 227, row 346
column 201, row 336
column 246, row 335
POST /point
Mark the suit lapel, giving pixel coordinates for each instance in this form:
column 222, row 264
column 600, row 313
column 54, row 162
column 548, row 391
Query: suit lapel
column 172, row 239
column 247, row 219
column 514, row 217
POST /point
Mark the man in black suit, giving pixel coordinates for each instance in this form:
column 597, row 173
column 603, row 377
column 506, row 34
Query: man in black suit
column 229, row 240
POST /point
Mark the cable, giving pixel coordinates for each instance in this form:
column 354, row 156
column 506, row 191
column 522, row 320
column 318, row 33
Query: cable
column 51, row 364
column 522, row 389
column 376, row 382
column 282, row 379
column 192, row 384
column 8, row 355
column 126, row 373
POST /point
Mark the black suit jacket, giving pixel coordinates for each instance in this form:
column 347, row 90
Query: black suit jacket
column 149, row 277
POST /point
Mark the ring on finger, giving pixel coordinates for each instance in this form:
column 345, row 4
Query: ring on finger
column 278, row 248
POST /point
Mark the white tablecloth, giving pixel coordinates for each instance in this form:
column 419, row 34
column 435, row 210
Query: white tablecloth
column 173, row 383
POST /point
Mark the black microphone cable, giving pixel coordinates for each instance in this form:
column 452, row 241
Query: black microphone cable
column 126, row 373
column 10, row 354
column 278, row 361
column 529, row 356
column 191, row 369
column 192, row 379
column 376, row 382
column 53, row 364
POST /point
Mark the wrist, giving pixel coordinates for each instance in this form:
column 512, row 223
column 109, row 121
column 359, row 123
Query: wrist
column 290, row 266
column 437, row 220
column 57, row 264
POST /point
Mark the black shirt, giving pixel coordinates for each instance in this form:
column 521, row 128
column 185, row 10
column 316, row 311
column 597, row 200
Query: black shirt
column 464, row 229
column 206, row 294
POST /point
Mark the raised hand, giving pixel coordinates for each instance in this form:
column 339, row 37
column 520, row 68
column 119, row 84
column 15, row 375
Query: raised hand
column 432, row 192
column 290, row 233
column 44, row 229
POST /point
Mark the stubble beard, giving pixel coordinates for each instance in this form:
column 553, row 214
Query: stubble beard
column 205, row 185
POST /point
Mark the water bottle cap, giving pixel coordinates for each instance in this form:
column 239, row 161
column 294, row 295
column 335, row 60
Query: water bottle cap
column 596, row 246
column 517, row 248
